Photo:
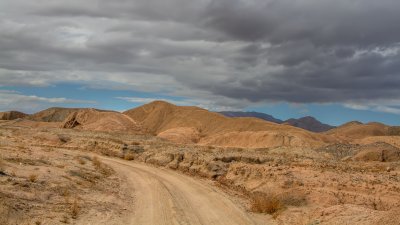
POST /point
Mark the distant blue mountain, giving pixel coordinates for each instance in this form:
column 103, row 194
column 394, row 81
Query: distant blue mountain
column 252, row 114
column 307, row 123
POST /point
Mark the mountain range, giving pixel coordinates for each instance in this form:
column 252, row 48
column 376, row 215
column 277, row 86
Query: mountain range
column 194, row 125
column 308, row 123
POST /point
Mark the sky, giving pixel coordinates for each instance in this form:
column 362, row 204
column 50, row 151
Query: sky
column 335, row 60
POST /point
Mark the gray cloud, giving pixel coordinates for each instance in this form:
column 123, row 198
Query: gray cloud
column 227, row 52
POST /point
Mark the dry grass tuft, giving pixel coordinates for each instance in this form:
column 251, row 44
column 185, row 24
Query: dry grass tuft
column 265, row 203
column 33, row 178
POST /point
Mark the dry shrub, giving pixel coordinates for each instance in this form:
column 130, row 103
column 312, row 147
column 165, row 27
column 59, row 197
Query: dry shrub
column 2, row 167
column 129, row 156
column 96, row 162
column 135, row 143
column 64, row 192
column 265, row 203
column 80, row 160
column 63, row 138
column 103, row 169
column 108, row 152
column 33, row 178
column 75, row 209
column 272, row 203
column 64, row 219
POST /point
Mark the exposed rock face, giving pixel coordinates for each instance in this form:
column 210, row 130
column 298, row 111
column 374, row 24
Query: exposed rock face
column 71, row 121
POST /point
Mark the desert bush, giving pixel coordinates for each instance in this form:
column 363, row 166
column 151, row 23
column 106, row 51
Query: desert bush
column 96, row 162
column 64, row 219
column 2, row 167
column 63, row 138
column 135, row 143
column 265, row 203
column 80, row 160
column 33, row 178
column 129, row 156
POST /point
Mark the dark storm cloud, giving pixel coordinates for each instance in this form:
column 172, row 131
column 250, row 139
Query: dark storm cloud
column 322, row 22
column 242, row 50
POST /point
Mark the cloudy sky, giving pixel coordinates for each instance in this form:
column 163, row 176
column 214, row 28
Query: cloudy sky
column 337, row 60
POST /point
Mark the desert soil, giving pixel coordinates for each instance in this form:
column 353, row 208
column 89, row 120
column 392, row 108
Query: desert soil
column 166, row 197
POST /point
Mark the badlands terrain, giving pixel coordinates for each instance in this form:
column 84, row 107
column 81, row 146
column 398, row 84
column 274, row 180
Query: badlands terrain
column 166, row 164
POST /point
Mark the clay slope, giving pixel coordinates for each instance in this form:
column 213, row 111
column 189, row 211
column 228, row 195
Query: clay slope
column 12, row 115
column 96, row 120
column 184, row 123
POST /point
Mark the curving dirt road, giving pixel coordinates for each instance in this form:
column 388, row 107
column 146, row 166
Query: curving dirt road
column 170, row 198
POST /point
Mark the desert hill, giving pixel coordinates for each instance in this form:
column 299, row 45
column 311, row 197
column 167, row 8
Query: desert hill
column 205, row 127
column 188, row 124
column 97, row 120
column 309, row 123
column 12, row 115
column 357, row 129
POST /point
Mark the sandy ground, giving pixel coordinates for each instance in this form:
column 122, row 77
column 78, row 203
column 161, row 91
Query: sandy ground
column 166, row 197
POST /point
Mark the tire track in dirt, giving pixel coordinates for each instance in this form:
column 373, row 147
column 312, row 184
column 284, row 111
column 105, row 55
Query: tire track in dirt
column 169, row 198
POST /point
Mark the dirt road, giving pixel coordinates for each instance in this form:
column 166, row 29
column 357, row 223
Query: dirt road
column 170, row 198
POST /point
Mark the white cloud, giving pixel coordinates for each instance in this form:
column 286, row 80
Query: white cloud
column 11, row 100
column 385, row 106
